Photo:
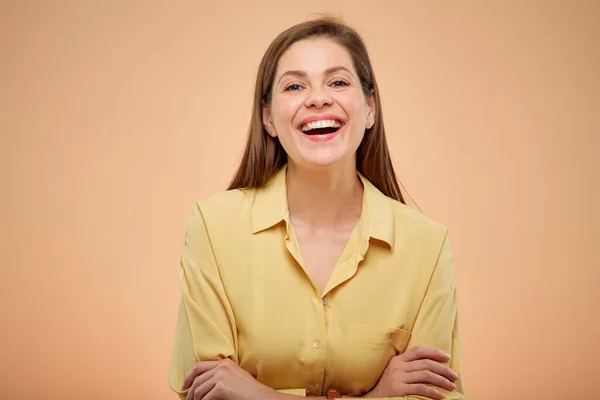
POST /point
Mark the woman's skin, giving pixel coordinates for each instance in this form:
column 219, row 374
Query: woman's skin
column 315, row 78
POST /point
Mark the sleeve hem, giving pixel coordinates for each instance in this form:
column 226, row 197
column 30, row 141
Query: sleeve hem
column 296, row 392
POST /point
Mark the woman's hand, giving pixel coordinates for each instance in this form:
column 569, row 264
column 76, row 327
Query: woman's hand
column 408, row 373
column 224, row 380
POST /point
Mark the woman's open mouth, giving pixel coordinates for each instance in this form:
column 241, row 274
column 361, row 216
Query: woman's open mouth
column 322, row 130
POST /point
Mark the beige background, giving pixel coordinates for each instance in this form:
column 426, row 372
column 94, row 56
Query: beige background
column 116, row 115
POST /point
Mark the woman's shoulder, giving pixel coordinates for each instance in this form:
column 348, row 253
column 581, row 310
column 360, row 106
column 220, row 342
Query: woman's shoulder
column 412, row 216
column 225, row 204
column 221, row 216
column 414, row 224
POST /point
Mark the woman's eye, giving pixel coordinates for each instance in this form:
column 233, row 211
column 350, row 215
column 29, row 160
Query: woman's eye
column 339, row 83
column 292, row 87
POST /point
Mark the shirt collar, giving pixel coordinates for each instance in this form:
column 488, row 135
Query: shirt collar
column 270, row 203
column 270, row 207
column 377, row 208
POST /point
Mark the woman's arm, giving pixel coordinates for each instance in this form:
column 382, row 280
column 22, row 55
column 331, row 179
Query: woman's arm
column 436, row 324
column 206, row 328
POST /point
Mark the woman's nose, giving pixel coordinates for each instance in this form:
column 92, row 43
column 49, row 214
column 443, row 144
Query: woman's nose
column 318, row 98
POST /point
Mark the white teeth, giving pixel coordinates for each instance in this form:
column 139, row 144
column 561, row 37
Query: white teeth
column 324, row 123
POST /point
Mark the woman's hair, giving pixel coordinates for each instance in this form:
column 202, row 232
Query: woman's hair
column 264, row 155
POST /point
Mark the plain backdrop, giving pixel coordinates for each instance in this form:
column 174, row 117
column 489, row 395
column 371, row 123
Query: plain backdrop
column 116, row 115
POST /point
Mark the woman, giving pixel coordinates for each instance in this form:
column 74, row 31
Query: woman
column 309, row 276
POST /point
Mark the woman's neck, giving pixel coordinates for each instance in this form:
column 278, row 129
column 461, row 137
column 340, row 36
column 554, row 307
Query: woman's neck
column 323, row 198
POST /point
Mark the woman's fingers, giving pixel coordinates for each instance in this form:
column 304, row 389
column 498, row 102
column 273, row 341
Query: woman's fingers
column 424, row 352
column 431, row 378
column 199, row 381
column 432, row 366
column 202, row 390
column 198, row 369
column 421, row 389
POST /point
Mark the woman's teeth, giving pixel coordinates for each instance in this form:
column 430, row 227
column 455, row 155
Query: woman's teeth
column 325, row 123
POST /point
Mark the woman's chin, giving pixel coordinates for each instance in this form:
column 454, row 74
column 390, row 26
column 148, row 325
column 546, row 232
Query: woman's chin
column 320, row 160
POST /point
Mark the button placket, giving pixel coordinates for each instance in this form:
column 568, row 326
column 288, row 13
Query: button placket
column 316, row 346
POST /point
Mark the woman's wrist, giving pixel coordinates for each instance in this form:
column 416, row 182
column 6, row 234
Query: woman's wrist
column 285, row 396
column 371, row 395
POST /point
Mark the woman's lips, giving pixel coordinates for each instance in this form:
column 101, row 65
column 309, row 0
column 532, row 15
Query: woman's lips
column 320, row 117
column 324, row 137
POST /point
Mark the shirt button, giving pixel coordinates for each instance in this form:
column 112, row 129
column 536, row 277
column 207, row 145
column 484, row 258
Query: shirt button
column 325, row 301
column 317, row 344
column 312, row 387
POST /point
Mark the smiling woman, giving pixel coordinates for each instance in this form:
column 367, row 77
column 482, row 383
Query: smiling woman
column 317, row 74
column 309, row 276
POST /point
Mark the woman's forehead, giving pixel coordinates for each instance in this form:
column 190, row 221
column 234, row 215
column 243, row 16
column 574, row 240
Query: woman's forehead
column 314, row 57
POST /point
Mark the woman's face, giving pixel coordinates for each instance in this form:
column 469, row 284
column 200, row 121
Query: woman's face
column 318, row 109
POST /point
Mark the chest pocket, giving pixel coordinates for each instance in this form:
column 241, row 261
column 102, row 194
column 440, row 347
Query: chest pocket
column 375, row 336
column 368, row 350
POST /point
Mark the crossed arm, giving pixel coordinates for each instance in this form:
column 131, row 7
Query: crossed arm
column 429, row 369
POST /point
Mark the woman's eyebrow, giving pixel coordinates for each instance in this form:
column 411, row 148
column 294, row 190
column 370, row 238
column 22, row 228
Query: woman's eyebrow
column 303, row 74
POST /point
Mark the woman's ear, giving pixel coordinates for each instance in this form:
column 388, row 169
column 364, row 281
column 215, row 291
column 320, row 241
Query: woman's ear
column 371, row 107
column 267, row 122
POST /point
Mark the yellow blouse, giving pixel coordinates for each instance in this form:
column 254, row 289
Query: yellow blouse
column 245, row 294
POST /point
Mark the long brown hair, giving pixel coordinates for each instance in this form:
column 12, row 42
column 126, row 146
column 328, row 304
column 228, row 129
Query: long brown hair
column 264, row 155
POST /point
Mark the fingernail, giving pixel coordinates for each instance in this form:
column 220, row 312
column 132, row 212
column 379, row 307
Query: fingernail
column 453, row 385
